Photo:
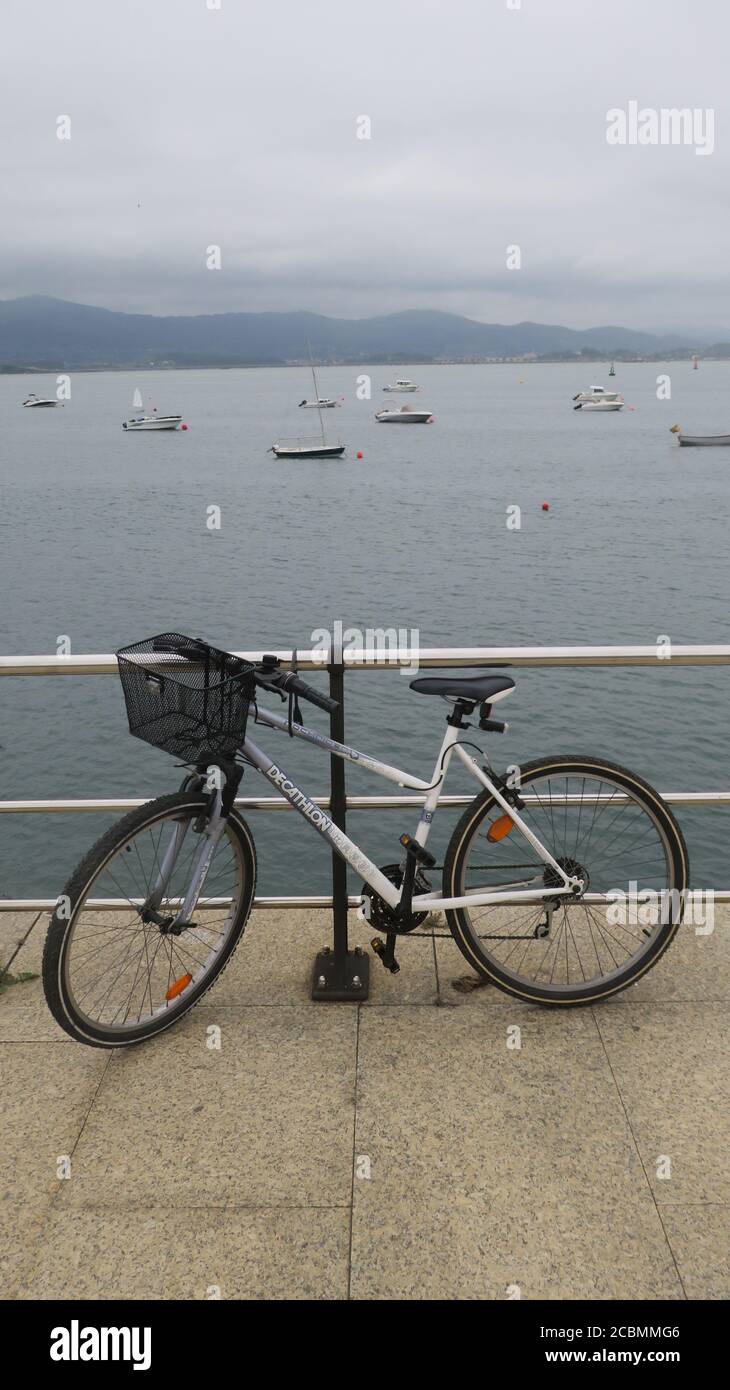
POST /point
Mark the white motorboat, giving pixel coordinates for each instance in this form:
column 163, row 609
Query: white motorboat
column 402, row 385
column 152, row 422
column 597, row 395
column 39, row 400
column 404, row 416
column 324, row 403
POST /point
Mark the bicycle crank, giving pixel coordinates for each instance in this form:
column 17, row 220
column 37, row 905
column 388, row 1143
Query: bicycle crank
column 385, row 951
column 383, row 917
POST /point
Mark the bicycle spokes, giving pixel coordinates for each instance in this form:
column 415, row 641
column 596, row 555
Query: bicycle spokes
column 597, row 832
column 126, row 961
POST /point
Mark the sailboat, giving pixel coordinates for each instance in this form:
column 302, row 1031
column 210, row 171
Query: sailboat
column 311, row 448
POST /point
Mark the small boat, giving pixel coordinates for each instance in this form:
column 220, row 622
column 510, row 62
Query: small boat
column 40, row 400
column 404, row 416
column 613, row 370
column 323, row 404
column 306, row 449
column 153, row 422
column 700, row 441
column 317, row 448
column 597, row 394
column 402, row 384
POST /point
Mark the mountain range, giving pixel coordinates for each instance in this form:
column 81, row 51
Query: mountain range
column 41, row 332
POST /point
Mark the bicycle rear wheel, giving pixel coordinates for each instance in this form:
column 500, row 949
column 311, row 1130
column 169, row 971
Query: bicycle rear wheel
column 109, row 977
column 600, row 823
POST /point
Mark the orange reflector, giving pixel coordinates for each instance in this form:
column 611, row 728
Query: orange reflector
column 178, row 986
column 499, row 828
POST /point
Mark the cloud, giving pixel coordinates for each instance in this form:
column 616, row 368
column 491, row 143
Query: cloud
column 237, row 127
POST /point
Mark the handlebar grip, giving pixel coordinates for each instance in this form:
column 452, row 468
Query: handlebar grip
column 289, row 680
column 323, row 701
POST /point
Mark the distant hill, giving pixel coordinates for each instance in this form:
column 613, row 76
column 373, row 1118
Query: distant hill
column 43, row 332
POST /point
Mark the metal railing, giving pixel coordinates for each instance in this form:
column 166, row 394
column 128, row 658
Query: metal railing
column 337, row 802
column 379, row 660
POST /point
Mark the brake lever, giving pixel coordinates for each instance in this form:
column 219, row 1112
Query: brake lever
column 269, row 685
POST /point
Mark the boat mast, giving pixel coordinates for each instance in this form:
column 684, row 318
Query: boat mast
column 316, row 391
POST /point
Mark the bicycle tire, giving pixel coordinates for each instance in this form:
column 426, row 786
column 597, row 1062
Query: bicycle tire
column 454, row 867
column 60, row 932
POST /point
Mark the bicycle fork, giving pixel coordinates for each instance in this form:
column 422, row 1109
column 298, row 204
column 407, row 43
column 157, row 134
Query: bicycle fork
column 215, row 824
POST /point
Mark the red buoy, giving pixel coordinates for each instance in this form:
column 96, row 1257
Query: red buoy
column 183, row 427
column 359, row 455
column 546, row 506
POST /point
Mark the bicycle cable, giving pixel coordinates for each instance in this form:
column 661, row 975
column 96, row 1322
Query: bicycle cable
column 464, row 744
column 294, row 713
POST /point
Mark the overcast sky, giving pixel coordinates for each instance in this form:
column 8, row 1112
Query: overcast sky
column 236, row 127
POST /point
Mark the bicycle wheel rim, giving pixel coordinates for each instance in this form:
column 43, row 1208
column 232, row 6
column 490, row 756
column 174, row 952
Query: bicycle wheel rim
column 122, row 977
column 617, row 940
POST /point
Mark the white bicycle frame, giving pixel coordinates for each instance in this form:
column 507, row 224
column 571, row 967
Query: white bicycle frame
column 344, row 846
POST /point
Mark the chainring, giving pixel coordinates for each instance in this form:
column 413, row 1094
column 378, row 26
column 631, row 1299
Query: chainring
column 381, row 916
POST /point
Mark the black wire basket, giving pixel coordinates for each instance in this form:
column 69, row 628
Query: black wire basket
column 183, row 696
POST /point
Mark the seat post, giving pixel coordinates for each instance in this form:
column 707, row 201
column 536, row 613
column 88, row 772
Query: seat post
column 461, row 708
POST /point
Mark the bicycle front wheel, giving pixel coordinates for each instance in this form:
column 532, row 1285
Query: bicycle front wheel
column 111, row 975
column 601, row 824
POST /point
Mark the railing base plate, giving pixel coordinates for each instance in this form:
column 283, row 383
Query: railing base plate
column 339, row 979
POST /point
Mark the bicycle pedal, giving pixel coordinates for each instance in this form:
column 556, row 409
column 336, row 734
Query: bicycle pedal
column 420, row 854
column 381, row 951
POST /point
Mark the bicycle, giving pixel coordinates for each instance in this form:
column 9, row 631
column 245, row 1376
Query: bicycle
column 153, row 914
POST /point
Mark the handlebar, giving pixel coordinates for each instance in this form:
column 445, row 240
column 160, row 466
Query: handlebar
column 291, row 683
column 267, row 675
